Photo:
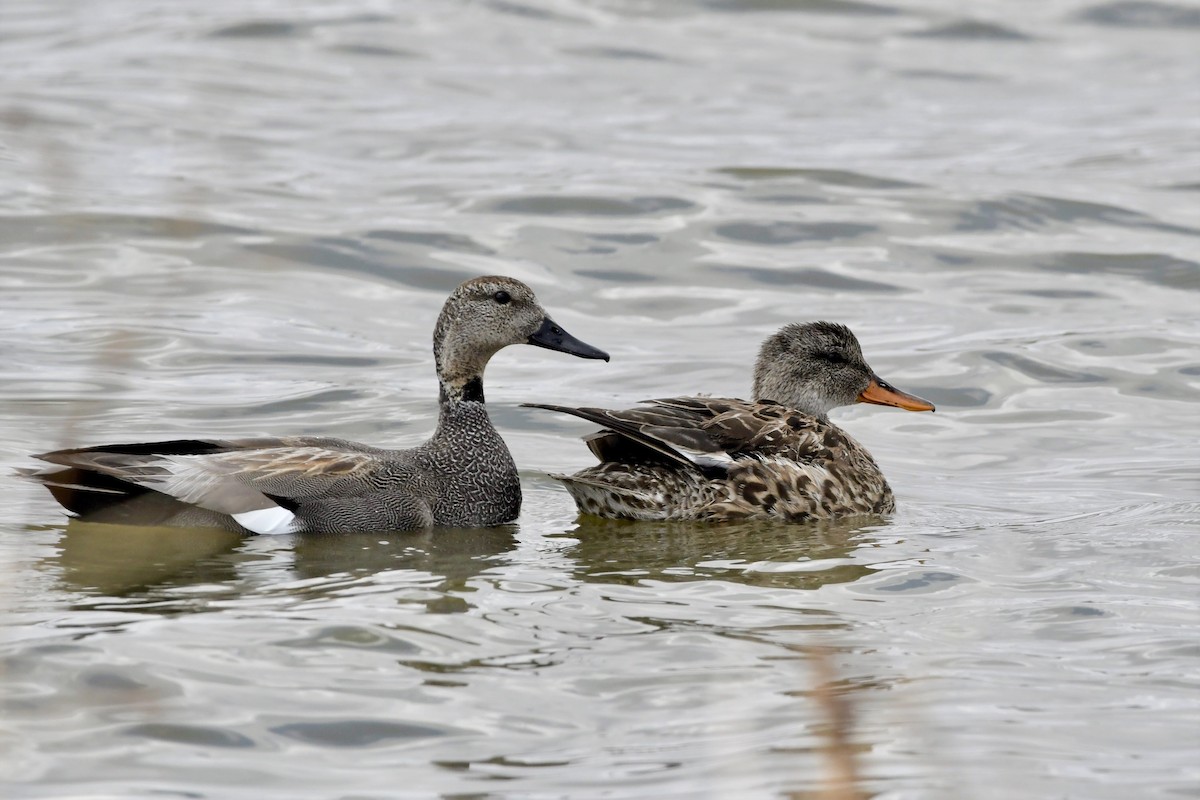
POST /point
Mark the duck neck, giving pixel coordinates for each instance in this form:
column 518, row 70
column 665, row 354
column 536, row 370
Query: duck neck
column 459, row 371
column 800, row 401
column 452, row 393
column 459, row 360
column 462, row 414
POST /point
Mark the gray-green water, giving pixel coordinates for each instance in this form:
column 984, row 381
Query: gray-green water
column 233, row 219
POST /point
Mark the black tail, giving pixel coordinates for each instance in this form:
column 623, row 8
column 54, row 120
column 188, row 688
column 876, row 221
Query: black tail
column 82, row 491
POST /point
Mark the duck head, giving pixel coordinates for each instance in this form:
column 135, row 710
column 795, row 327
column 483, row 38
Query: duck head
column 484, row 315
column 817, row 366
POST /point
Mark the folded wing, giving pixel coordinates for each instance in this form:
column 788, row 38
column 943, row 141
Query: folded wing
column 251, row 481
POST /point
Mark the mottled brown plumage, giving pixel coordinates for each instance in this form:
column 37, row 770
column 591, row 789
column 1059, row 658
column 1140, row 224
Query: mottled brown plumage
column 776, row 457
column 463, row 476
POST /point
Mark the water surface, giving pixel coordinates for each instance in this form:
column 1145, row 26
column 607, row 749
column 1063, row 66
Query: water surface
column 225, row 220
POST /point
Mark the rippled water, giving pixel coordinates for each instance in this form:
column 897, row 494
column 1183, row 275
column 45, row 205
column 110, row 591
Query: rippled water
column 240, row 219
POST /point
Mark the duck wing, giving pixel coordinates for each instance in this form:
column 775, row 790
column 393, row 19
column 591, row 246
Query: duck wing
column 708, row 433
column 698, row 432
column 772, row 430
column 259, row 483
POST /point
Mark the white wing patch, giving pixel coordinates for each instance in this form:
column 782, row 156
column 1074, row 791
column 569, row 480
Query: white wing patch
column 718, row 458
column 267, row 521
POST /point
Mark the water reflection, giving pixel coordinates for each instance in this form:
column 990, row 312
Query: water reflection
column 781, row 555
column 98, row 558
column 121, row 561
column 132, row 561
column 452, row 555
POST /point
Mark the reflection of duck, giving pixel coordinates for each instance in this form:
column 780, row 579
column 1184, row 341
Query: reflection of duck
column 113, row 560
column 462, row 477
column 122, row 560
column 753, row 553
column 452, row 556
column 777, row 457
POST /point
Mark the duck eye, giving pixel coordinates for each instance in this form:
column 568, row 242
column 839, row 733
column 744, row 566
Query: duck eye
column 502, row 297
column 835, row 358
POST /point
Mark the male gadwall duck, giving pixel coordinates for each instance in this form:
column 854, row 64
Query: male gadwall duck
column 778, row 457
column 462, row 477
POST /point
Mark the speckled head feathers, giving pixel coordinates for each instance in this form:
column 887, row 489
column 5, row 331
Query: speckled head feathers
column 812, row 367
column 485, row 314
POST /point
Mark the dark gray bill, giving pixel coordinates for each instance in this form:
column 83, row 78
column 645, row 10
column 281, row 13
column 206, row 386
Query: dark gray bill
column 555, row 338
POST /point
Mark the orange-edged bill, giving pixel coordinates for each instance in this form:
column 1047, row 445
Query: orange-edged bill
column 882, row 393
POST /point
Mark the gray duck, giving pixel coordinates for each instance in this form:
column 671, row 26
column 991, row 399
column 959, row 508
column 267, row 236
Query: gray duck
column 463, row 476
column 775, row 457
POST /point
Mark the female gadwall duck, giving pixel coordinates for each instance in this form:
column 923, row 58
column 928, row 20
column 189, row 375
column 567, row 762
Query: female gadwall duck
column 462, row 477
column 704, row 458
